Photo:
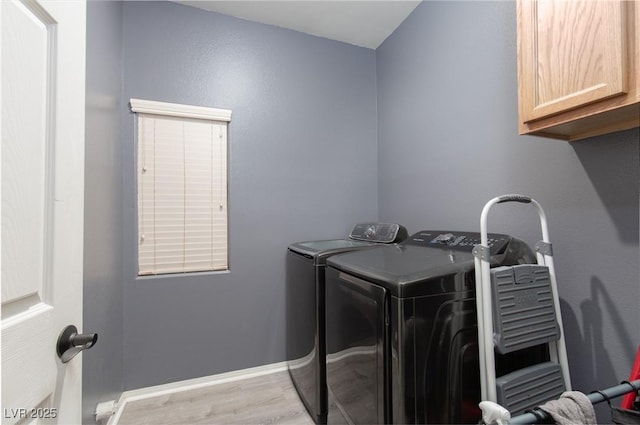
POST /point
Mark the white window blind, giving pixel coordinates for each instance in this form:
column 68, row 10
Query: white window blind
column 182, row 190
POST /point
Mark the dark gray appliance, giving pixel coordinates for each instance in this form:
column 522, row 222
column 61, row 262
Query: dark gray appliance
column 306, row 262
column 401, row 330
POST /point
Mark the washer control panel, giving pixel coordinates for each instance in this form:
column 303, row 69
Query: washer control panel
column 461, row 241
column 378, row 232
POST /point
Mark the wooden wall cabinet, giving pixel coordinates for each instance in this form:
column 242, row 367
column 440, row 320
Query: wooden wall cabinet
column 578, row 67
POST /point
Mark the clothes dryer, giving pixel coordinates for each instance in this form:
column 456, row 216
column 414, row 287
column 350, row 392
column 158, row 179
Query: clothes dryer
column 402, row 331
column 305, row 309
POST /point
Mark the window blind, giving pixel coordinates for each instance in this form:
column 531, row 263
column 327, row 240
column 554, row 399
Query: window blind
column 182, row 194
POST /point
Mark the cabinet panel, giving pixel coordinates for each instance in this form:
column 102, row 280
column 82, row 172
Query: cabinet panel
column 577, row 65
column 577, row 55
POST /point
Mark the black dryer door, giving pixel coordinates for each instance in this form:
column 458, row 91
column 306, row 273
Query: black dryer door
column 356, row 349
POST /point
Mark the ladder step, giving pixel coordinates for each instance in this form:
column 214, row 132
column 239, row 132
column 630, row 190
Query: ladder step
column 523, row 313
column 530, row 387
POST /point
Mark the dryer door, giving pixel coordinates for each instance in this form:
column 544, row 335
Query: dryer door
column 356, row 329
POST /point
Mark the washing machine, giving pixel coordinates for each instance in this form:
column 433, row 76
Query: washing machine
column 401, row 330
column 305, row 319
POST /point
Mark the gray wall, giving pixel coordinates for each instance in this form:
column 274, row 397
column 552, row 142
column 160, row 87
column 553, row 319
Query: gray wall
column 103, row 310
column 302, row 165
column 447, row 134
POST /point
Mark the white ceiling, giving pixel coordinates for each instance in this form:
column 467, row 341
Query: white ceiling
column 365, row 23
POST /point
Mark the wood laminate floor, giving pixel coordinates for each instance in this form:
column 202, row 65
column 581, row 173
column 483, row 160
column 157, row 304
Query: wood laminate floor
column 266, row 399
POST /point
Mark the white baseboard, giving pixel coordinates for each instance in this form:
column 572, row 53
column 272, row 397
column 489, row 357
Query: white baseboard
column 191, row 384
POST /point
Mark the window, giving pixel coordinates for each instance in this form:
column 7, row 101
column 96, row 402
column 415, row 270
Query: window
column 182, row 187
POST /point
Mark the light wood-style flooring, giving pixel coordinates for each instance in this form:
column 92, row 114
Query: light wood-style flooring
column 266, row 399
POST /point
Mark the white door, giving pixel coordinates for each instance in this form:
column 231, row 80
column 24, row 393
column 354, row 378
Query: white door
column 42, row 110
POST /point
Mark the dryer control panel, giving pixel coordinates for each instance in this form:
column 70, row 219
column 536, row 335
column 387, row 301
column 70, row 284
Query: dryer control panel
column 379, row 232
column 460, row 241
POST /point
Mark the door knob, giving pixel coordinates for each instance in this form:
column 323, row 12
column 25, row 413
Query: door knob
column 70, row 343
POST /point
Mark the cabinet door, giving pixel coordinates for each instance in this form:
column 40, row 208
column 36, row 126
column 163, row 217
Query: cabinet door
column 571, row 54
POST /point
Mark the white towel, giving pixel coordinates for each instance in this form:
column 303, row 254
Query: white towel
column 572, row 408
